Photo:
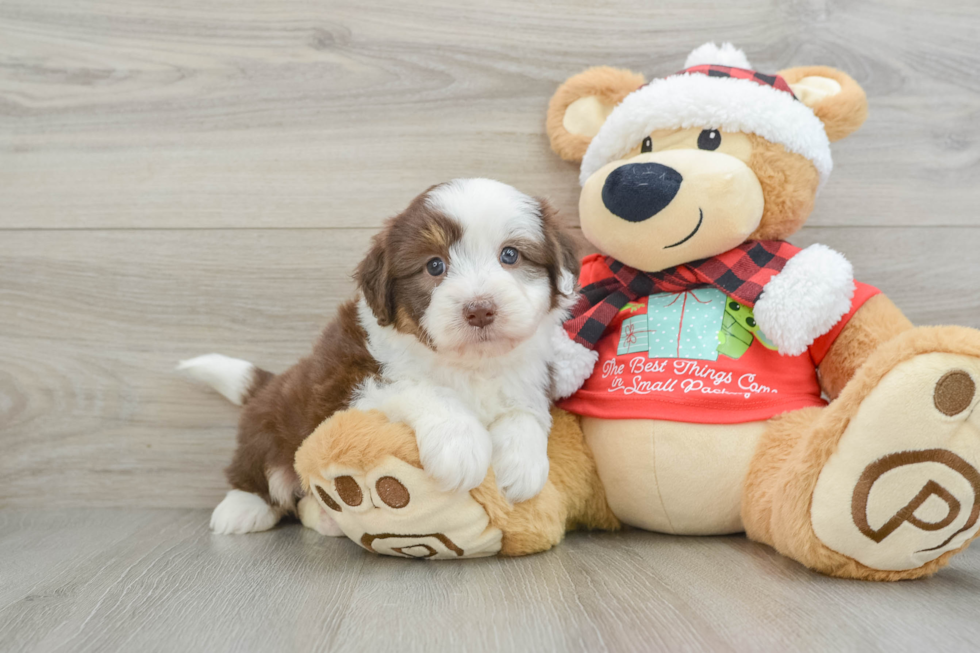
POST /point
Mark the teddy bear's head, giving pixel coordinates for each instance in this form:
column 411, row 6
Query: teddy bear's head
column 691, row 165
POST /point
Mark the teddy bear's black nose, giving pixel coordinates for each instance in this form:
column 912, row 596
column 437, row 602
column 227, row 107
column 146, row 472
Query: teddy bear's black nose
column 638, row 191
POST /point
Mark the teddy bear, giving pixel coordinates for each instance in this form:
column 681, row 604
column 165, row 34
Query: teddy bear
column 740, row 384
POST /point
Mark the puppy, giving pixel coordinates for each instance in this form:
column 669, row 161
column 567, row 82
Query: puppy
column 456, row 332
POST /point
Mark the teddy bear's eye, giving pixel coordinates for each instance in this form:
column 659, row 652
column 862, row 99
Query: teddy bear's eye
column 709, row 139
column 647, row 145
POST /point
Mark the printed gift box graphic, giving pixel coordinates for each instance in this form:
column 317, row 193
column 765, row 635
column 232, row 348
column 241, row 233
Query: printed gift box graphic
column 633, row 335
column 676, row 325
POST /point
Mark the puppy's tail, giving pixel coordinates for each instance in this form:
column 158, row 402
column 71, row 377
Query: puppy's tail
column 236, row 379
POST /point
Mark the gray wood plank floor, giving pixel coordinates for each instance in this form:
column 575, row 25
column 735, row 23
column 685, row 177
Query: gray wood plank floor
column 157, row 580
column 194, row 176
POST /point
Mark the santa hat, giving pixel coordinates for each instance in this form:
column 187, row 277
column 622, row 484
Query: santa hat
column 717, row 90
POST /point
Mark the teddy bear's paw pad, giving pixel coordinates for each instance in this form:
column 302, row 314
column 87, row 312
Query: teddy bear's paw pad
column 318, row 518
column 395, row 509
column 903, row 486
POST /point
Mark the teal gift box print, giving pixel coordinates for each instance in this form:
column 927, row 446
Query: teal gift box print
column 697, row 324
column 685, row 324
column 633, row 336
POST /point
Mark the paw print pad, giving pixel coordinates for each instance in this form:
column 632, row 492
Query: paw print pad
column 342, row 491
column 326, row 499
column 392, row 492
column 954, row 393
column 395, row 509
column 349, row 491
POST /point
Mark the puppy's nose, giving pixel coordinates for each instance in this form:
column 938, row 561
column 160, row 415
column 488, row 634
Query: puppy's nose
column 638, row 191
column 479, row 313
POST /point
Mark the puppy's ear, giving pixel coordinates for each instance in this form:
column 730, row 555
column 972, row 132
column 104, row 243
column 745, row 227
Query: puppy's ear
column 564, row 266
column 580, row 106
column 834, row 96
column 373, row 277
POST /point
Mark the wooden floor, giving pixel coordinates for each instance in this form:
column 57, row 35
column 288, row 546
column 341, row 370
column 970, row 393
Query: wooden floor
column 121, row 579
column 190, row 176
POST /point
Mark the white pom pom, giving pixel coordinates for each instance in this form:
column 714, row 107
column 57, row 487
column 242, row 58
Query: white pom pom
column 726, row 55
column 806, row 300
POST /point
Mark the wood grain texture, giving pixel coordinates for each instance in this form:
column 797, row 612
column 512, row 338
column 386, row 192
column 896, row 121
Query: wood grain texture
column 108, row 580
column 325, row 113
column 185, row 177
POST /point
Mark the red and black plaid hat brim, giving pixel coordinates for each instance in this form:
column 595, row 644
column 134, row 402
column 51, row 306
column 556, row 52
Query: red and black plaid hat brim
column 714, row 70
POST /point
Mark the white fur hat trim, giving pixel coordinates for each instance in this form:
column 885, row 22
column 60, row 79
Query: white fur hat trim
column 729, row 104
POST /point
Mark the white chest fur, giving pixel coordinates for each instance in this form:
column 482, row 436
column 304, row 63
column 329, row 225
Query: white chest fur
column 488, row 386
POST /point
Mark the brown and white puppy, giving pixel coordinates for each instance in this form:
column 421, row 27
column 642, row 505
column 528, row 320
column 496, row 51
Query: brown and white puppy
column 456, row 332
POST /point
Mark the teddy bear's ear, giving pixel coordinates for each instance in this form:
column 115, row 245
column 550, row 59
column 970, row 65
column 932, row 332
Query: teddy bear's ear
column 580, row 106
column 834, row 97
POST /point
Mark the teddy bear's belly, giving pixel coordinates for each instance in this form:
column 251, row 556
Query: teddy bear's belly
column 674, row 477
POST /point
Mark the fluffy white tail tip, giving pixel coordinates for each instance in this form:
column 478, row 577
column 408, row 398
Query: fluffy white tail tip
column 232, row 377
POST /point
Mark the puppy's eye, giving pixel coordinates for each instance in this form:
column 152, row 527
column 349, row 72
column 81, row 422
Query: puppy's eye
column 436, row 267
column 709, row 139
column 647, row 145
column 509, row 256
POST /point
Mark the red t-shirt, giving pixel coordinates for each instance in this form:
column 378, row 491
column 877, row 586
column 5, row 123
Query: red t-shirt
column 699, row 357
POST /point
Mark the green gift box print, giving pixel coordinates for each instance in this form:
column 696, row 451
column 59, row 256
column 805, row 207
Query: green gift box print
column 697, row 324
column 739, row 330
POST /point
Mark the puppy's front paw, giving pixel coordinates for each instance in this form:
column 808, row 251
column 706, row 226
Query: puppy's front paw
column 521, row 478
column 455, row 453
column 520, row 458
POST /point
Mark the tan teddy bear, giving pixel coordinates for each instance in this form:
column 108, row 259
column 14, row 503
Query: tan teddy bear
column 715, row 340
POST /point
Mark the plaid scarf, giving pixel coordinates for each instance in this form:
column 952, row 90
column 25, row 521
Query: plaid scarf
column 740, row 273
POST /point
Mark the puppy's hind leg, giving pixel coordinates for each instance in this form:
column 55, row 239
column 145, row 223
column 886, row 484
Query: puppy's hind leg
column 243, row 512
column 259, row 498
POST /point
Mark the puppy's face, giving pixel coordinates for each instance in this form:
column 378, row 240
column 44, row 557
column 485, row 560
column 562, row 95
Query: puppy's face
column 472, row 267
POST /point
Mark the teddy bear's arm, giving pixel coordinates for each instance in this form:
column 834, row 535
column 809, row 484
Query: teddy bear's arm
column 571, row 364
column 875, row 323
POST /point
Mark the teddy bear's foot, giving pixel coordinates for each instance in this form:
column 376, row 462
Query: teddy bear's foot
column 902, row 487
column 394, row 508
column 365, row 475
column 314, row 516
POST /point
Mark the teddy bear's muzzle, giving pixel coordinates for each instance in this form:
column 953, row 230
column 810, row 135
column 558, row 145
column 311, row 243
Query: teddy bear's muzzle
column 638, row 191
